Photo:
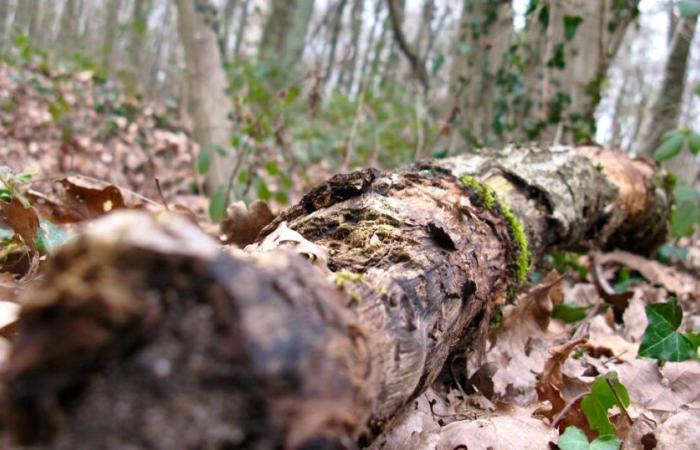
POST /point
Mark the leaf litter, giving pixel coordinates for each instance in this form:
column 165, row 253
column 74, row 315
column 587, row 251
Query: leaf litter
column 555, row 349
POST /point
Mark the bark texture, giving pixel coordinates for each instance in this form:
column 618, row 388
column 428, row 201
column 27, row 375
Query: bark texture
column 665, row 106
column 207, row 85
column 145, row 334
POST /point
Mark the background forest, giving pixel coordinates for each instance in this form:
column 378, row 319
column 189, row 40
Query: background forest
column 204, row 108
column 280, row 93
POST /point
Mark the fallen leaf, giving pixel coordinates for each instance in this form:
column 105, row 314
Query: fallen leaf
column 513, row 428
column 242, row 225
column 22, row 218
column 285, row 237
column 670, row 278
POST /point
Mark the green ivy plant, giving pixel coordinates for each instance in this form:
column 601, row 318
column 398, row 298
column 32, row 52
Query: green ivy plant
column 662, row 340
column 606, row 392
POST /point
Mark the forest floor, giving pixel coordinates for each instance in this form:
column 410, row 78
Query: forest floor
column 565, row 354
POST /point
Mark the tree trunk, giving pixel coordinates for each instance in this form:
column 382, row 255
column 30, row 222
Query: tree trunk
column 137, row 41
column 229, row 9
column 370, row 47
column 665, row 106
column 336, row 28
column 111, row 27
column 242, row 25
column 485, row 35
column 209, row 102
column 396, row 13
column 68, row 30
column 4, row 14
column 144, row 334
column 35, row 20
column 285, row 30
column 347, row 75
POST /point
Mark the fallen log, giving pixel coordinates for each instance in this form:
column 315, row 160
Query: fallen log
column 145, row 333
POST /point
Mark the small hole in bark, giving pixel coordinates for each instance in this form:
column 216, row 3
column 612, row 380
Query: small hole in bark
column 468, row 289
column 441, row 237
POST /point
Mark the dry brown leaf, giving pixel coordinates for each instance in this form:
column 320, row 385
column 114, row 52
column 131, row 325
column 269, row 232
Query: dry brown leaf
column 22, row 218
column 679, row 432
column 285, row 237
column 243, row 224
column 521, row 345
column 513, row 428
column 670, row 278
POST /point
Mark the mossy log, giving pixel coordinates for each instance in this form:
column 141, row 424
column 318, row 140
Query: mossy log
column 145, row 333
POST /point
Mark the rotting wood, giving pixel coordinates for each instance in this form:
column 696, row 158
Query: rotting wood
column 143, row 333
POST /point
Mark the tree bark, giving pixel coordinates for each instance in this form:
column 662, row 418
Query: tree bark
column 285, row 30
column 665, row 106
column 143, row 333
column 68, row 30
column 207, row 85
column 111, row 26
column 336, row 28
column 411, row 54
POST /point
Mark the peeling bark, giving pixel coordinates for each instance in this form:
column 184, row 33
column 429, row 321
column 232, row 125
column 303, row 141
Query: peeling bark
column 143, row 333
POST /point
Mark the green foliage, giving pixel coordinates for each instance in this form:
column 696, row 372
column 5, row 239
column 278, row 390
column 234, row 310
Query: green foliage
column 217, row 205
column 571, row 24
column 558, row 59
column 669, row 253
column 562, row 261
column 686, row 211
column 689, row 8
column 50, row 237
column 203, row 160
column 606, row 392
column 569, row 313
column 574, row 438
column 661, row 339
column 673, row 142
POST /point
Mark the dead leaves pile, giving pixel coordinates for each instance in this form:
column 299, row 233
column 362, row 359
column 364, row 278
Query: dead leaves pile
column 537, row 370
column 65, row 123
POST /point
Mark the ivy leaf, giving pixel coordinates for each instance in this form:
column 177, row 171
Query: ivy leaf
column 569, row 313
column 571, row 24
column 49, row 237
column 689, row 8
column 602, row 397
column 575, row 439
column 217, row 205
column 670, row 147
column 203, row 160
column 661, row 340
column 694, row 143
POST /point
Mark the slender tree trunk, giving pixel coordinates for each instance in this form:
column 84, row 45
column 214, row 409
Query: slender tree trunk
column 68, row 26
column 417, row 64
column 664, row 109
column 35, row 20
column 336, row 28
column 229, row 10
column 111, row 26
column 285, row 30
column 207, row 87
column 347, row 75
column 370, row 46
column 144, row 334
column 242, row 26
column 23, row 14
column 137, row 41
column 4, row 14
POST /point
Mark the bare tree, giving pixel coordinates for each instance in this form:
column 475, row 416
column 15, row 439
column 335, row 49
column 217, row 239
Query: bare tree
column 207, row 86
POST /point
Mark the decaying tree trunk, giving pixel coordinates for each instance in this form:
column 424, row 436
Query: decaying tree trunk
column 144, row 333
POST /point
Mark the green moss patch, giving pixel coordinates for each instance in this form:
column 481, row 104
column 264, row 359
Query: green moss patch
column 490, row 200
